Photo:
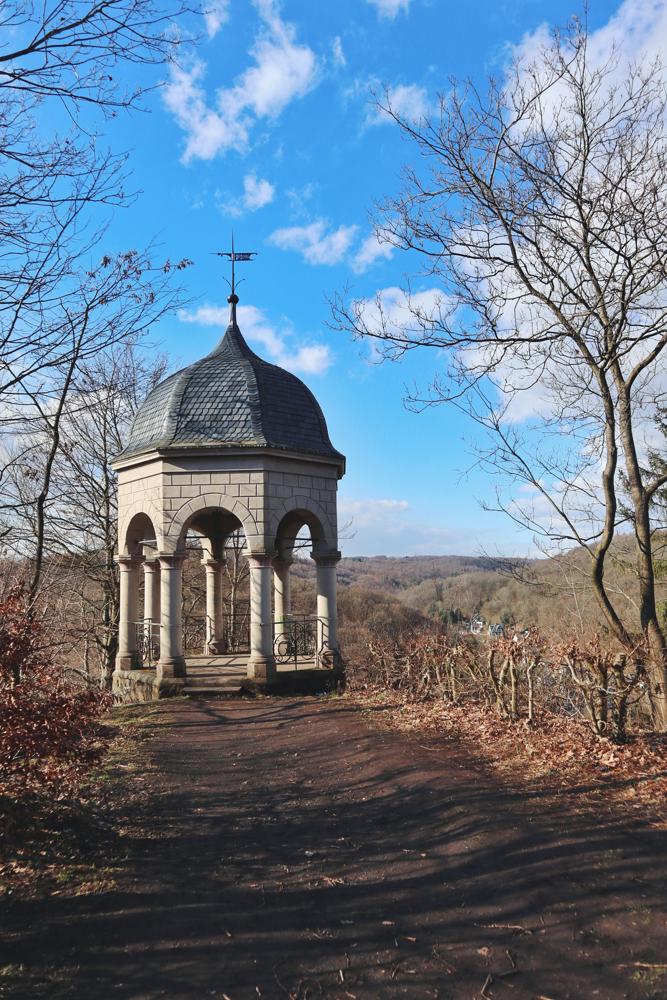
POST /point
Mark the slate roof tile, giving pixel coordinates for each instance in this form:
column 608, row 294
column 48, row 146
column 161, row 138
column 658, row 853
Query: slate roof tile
column 231, row 398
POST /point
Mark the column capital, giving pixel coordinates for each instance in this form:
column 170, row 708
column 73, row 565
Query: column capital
column 279, row 563
column 128, row 562
column 260, row 560
column 209, row 561
column 326, row 559
column 171, row 560
column 151, row 564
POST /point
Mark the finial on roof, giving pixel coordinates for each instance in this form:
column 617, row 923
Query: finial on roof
column 233, row 300
column 233, row 256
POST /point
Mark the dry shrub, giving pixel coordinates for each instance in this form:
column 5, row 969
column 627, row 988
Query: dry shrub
column 49, row 729
column 524, row 677
column 366, row 614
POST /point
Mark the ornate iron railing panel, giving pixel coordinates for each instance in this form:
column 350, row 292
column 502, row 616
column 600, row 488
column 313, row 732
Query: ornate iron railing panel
column 297, row 638
column 147, row 642
column 199, row 631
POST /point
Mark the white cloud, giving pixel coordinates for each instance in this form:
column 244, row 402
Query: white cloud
column 368, row 513
column 283, row 70
column 207, row 132
column 371, row 249
column 337, row 53
column 407, row 100
column 299, row 197
column 390, row 527
column 257, row 192
column 314, row 242
column 257, row 328
column 390, row 8
column 308, row 359
column 216, row 13
column 393, row 311
column 318, row 244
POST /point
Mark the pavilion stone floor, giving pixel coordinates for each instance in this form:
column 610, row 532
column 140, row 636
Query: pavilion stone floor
column 223, row 675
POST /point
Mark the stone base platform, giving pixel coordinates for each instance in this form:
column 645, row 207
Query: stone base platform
column 223, row 676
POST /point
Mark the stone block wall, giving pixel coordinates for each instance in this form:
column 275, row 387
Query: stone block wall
column 258, row 488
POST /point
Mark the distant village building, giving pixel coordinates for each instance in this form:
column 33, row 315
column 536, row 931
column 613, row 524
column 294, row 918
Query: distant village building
column 231, row 442
column 477, row 625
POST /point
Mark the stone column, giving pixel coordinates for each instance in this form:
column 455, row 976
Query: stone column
column 213, row 631
column 220, row 610
column 327, row 609
column 126, row 658
column 171, row 663
column 282, row 598
column 261, row 665
column 151, row 597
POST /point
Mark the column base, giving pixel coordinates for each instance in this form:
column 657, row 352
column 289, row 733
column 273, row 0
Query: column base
column 130, row 687
column 127, row 661
column 261, row 669
column 329, row 659
column 169, row 668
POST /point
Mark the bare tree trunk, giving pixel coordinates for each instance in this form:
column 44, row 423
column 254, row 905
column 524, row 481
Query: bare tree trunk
column 648, row 612
column 610, row 502
column 43, row 495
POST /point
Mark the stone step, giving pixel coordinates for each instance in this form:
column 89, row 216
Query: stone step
column 207, row 691
column 200, row 680
column 195, row 680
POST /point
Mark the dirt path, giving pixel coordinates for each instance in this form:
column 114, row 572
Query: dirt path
column 284, row 849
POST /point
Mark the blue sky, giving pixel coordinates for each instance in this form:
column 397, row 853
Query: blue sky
column 268, row 127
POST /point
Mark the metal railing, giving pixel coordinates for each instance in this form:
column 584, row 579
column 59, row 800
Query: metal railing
column 195, row 632
column 235, row 637
column 298, row 637
column 147, row 634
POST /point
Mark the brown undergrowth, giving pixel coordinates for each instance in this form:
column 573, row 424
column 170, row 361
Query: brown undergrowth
column 561, row 756
column 62, row 838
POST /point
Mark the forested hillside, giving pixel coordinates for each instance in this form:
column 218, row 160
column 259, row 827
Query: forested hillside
column 533, row 592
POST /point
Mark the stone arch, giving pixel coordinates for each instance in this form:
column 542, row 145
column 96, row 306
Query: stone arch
column 292, row 515
column 140, row 522
column 187, row 512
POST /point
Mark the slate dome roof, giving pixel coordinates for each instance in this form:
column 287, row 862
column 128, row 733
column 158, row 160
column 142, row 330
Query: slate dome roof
column 230, row 398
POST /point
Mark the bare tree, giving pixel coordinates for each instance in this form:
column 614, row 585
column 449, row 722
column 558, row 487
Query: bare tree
column 70, row 49
column 116, row 303
column 539, row 210
column 62, row 72
column 68, row 503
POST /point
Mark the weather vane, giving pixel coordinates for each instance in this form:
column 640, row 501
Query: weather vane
column 233, row 256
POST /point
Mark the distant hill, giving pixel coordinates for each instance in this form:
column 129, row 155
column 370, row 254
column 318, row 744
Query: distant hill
column 551, row 594
column 401, row 573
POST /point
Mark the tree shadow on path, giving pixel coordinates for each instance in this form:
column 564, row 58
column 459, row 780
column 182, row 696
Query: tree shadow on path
column 286, row 850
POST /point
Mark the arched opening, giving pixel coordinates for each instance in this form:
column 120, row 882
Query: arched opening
column 304, row 594
column 139, row 534
column 216, row 592
column 139, row 597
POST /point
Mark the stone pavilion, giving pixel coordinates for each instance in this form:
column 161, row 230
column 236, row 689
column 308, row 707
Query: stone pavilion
column 230, row 442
